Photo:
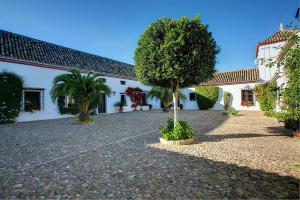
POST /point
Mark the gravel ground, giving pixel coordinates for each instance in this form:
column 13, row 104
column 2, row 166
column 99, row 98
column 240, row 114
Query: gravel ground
column 120, row 157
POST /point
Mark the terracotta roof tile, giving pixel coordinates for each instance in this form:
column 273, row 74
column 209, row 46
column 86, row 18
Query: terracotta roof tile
column 21, row 48
column 234, row 77
column 277, row 37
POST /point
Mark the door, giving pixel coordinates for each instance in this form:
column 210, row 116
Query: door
column 102, row 104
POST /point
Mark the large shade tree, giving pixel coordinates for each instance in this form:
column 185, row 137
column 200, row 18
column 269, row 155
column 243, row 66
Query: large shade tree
column 175, row 54
column 85, row 89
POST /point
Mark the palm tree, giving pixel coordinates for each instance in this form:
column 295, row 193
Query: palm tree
column 85, row 89
column 165, row 95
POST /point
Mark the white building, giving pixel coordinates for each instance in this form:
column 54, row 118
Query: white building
column 38, row 62
column 267, row 52
column 239, row 84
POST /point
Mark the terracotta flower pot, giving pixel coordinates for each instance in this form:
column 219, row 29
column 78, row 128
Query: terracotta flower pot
column 296, row 134
column 121, row 110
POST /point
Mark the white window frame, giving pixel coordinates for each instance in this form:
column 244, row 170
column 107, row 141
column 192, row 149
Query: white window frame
column 42, row 101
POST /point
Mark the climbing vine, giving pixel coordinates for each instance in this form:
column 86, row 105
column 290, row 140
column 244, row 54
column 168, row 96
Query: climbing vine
column 266, row 94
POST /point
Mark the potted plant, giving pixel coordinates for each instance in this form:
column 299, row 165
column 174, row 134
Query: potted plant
column 121, row 105
column 247, row 103
column 181, row 134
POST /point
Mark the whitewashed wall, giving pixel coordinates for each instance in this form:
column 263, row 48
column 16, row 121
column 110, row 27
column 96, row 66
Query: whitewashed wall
column 265, row 54
column 235, row 91
column 38, row 77
column 189, row 105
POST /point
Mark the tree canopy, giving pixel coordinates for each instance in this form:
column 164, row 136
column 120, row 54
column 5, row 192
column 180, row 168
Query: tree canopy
column 175, row 52
column 85, row 89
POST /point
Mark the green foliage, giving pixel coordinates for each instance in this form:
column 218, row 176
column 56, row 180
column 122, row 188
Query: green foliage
column 266, row 94
column 11, row 86
column 290, row 59
column 120, row 104
column 206, row 96
column 182, row 131
column 231, row 112
column 296, row 166
column 165, row 95
column 172, row 52
column 175, row 54
column 71, row 109
column 85, row 89
column 226, row 97
column 85, row 121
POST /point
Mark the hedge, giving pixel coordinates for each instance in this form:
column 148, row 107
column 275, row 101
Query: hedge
column 11, row 87
column 206, row 96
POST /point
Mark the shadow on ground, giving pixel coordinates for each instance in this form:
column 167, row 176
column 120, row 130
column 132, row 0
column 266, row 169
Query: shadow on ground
column 131, row 169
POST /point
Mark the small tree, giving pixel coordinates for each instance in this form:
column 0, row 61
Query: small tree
column 135, row 95
column 175, row 54
column 85, row 89
column 227, row 99
column 165, row 95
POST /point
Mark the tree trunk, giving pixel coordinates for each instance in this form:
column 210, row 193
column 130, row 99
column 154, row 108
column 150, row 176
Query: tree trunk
column 84, row 111
column 175, row 104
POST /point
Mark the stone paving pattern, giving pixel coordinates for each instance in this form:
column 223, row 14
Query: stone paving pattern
column 120, row 157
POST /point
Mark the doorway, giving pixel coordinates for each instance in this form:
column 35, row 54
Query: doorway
column 102, row 103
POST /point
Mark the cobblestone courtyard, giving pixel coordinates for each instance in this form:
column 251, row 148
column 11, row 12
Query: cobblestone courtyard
column 120, row 157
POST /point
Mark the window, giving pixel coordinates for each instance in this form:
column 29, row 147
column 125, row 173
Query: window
column 33, row 99
column 123, row 82
column 192, row 97
column 123, row 98
column 247, row 98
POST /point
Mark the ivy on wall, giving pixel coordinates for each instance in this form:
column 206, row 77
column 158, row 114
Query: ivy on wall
column 206, row 96
column 11, row 86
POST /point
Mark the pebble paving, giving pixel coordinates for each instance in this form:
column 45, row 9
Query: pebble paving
column 120, row 157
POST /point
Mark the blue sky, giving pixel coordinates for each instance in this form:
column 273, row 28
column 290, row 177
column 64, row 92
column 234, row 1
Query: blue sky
column 111, row 28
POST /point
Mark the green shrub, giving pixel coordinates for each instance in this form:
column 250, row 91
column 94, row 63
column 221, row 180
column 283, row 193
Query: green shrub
column 230, row 112
column 120, row 104
column 85, row 121
column 266, row 96
column 11, row 86
column 72, row 109
column 182, row 131
column 226, row 97
column 206, row 96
